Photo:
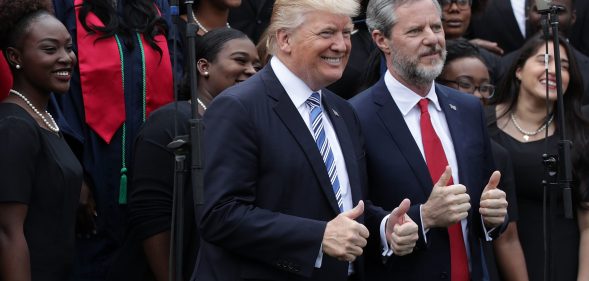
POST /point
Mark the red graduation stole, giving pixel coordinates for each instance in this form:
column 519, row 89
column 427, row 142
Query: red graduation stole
column 5, row 77
column 101, row 77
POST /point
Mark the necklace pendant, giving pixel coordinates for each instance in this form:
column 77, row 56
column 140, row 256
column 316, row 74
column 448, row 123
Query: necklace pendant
column 526, row 138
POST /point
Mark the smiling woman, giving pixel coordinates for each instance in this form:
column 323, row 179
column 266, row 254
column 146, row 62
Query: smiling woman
column 40, row 176
column 225, row 57
column 520, row 124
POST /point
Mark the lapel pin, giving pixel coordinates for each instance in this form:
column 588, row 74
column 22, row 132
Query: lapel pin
column 335, row 112
column 452, row 106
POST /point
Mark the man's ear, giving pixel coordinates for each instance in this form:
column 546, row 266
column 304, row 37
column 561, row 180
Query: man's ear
column 284, row 40
column 381, row 41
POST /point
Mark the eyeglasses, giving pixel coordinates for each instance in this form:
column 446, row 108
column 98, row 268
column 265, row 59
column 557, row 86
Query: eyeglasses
column 466, row 85
column 461, row 4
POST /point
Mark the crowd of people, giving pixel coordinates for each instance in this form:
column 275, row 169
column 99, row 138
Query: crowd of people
column 343, row 140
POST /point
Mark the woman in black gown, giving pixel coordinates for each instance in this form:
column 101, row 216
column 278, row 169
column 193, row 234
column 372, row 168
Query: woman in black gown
column 517, row 122
column 224, row 57
column 40, row 178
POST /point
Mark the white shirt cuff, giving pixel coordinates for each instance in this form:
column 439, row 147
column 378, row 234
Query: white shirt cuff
column 488, row 237
column 386, row 249
column 422, row 228
column 319, row 258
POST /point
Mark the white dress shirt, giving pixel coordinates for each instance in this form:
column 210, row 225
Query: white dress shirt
column 299, row 92
column 407, row 101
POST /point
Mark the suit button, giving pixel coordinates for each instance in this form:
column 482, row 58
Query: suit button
column 443, row 275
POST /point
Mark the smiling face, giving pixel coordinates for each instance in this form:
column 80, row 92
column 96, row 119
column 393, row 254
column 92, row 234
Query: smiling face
column 318, row 50
column 533, row 78
column 236, row 61
column 416, row 49
column 45, row 55
column 466, row 71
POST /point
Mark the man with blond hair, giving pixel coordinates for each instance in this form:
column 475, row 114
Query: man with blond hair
column 284, row 163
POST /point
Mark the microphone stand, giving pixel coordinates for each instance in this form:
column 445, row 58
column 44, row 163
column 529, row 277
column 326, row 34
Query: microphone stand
column 558, row 167
column 182, row 146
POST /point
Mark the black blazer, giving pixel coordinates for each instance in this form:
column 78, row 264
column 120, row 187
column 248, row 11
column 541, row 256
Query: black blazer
column 579, row 36
column 268, row 196
column 252, row 17
column 397, row 170
column 497, row 24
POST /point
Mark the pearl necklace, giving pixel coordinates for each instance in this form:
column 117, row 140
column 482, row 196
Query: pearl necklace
column 54, row 128
column 528, row 134
column 202, row 104
column 200, row 26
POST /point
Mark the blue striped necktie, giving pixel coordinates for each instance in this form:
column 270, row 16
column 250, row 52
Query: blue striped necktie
column 316, row 118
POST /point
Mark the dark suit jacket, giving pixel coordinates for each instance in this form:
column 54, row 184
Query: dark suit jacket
column 582, row 61
column 497, row 24
column 397, row 170
column 252, row 17
column 267, row 192
column 579, row 36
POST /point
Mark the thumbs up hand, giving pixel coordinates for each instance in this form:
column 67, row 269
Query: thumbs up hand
column 401, row 231
column 344, row 237
column 493, row 206
column 447, row 204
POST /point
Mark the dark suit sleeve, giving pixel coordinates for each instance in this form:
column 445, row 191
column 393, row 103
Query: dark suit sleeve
column 231, row 218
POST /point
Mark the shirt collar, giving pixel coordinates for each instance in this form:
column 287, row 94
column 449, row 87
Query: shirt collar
column 296, row 88
column 405, row 98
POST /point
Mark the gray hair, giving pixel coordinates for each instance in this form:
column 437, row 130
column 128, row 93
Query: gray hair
column 381, row 14
column 290, row 14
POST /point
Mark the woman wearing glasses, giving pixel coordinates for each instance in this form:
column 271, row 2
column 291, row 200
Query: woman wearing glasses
column 519, row 122
column 456, row 17
column 465, row 71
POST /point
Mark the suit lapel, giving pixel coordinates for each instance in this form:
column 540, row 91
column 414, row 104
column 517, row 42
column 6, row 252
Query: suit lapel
column 455, row 124
column 452, row 114
column 346, row 146
column 291, row 118
column 393, row 120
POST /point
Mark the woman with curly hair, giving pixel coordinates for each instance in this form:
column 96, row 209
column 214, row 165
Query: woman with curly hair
column 124, row 74
column 40, row 176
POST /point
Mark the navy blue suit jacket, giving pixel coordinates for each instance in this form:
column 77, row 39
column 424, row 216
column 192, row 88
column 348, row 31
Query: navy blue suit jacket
column 268, row 196
column 397, row 170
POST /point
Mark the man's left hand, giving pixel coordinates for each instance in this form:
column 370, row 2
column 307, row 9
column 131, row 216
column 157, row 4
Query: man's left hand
column 493, row 205
column 401, row 231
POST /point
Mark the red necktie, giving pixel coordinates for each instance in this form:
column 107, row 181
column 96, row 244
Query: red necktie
column 436, row 164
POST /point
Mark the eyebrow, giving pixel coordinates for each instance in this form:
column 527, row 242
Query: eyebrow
column 243, row 53
column 54, row 40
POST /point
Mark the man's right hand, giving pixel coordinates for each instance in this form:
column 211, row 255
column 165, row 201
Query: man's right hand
column 446, row 205
column 344, row 237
